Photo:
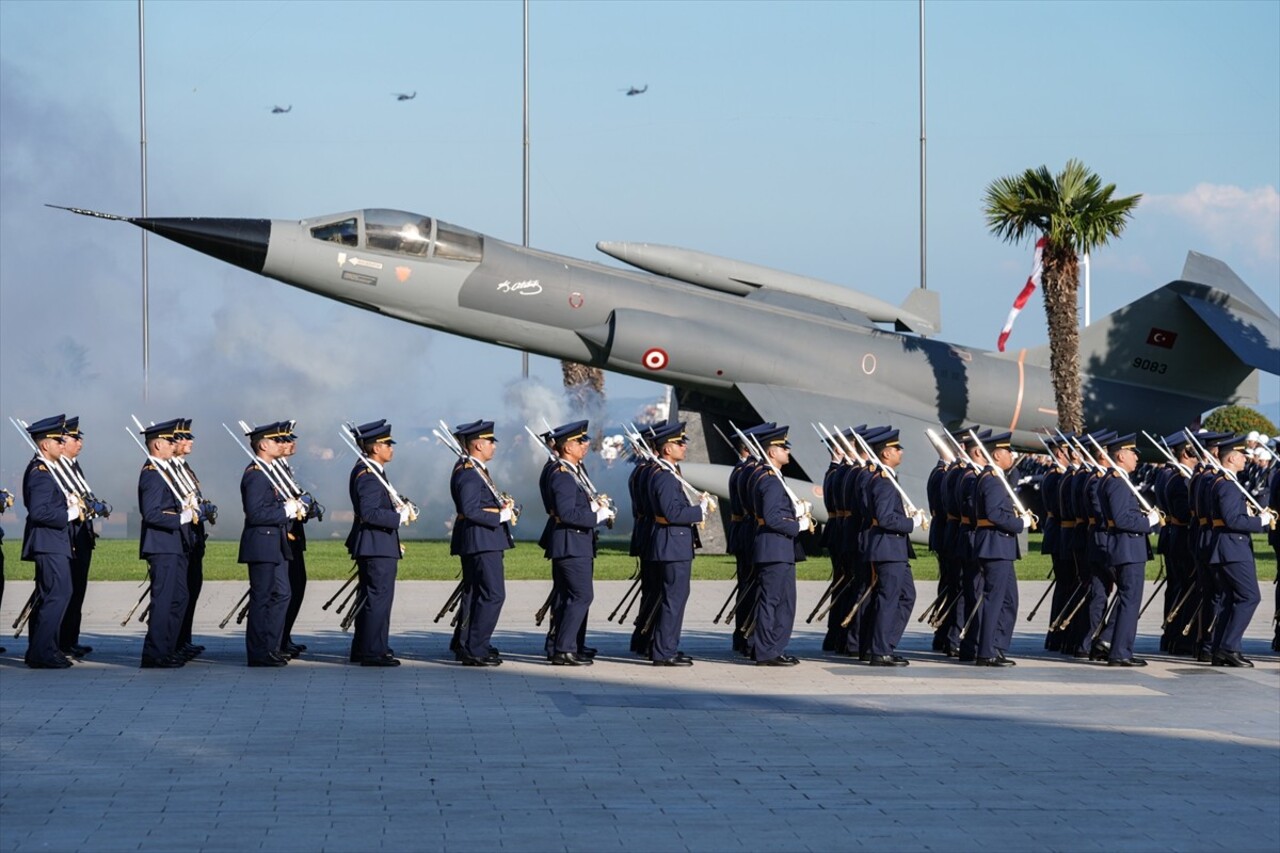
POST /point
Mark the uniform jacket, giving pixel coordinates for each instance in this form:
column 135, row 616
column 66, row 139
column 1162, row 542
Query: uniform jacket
column 1127, row 525
column 1273, row 502
column 265, row 536
column 776, row 524
column 47, row 530
column 998, row 525
column 887, row 538
column 1232, row 525
column 162, row 527
column 937, row 515
column 571, row 523
column 196, row 533
column 734, row 532
column 674, row 536
column 641, row 514
column 476, row 528
column 375, row 530
column 83, row 537
column 1052, row 510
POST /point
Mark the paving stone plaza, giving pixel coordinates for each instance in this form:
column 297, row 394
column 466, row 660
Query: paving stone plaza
column 830, row 755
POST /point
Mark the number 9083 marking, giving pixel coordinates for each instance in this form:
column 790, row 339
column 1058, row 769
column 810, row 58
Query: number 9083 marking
column 1150, row 366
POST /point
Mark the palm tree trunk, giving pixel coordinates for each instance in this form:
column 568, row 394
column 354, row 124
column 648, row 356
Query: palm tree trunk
column 1061, row 285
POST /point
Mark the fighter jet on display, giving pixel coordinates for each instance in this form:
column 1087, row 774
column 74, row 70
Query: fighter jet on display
column 634, row 91
column 278, row 109
column 746, row 343
column 401, row 96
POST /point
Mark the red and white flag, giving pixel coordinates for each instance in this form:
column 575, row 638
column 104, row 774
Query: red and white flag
column 1033, row 281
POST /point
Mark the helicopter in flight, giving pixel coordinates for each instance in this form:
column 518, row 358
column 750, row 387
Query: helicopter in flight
column 401, row 96
column 634, row 91
column 276, row 110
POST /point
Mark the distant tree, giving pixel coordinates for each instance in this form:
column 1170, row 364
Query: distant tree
column 1239, row 420
column 583, row 384
column 1076, row 214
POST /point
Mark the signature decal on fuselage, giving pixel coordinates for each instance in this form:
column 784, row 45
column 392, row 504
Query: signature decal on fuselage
column 529, row 287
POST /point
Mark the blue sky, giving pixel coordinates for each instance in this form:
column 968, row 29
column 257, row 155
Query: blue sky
column 784, row 134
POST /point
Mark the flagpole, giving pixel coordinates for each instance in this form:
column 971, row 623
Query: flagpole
column 142, row 120
column 524, row 356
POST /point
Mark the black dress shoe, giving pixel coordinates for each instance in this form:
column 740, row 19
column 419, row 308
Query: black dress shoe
column 301, row 647
column 780, row 660
column 683, row 656
column 190, row 650
column 162, row 663
column 993, row 662
column 966, row 658
column 1127, row 662
column 1010, row 661
column 267, row 661
column 385, row 660
column 78, row 650
column 794, row 660
column 888, row 660
column 865, row 657
column 1079, row 654
column 277, row 656
column 1204, row 656
column 675, row 661
column 1234, row 659
column 468, row 660
column 568, row 659
column 55, row 663
column 587, row 652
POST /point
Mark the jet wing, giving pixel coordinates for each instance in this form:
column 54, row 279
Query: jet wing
column 800, row 408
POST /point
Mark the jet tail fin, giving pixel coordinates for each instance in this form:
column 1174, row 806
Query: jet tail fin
column 926, row 305
column 1202, row 336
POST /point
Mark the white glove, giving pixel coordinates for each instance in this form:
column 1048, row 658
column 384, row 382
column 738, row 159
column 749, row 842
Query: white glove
column 1153, row 518
column 505, row 514
column 915, row 522
column 1024, row 522
column 604, row 514
column 293, row 508
column 405, row 511
column 1268, row 517
column 73, row 513
column 187, row 516
column 595, row 506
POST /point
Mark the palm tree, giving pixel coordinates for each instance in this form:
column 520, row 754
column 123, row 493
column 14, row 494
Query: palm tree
column 1076, row 214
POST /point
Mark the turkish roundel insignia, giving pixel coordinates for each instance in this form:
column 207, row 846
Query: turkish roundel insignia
column 1161, row 338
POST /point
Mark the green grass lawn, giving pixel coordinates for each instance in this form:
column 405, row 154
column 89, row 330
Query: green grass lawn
column 117, row 559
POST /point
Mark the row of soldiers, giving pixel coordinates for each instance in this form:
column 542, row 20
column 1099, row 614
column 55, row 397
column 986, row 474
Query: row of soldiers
column 1096, row 529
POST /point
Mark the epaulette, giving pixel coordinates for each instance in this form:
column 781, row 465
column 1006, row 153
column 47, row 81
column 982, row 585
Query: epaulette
column 363, row 471
column 249, row 467
column 562, row 469
column 148, row 466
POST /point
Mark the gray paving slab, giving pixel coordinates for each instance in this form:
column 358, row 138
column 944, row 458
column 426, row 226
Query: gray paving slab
column 1053, row 754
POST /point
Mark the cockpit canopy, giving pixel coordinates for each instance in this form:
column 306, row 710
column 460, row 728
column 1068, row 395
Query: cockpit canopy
column 402, row 233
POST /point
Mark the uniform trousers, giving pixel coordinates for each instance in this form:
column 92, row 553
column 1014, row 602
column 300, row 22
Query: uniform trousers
column 1124, row 618
column 974, row 602
column 1065, row 581
column 195, row 583
column 573, row 596
column 1240, row 598
column 834, row 638
column 297, row 589
column 650, row 597
column 672, row 597
column 857, row 634
column 168, row 604
column 69, row 633
column 891, row 605
column 775, row 610
column 999, row 607
column 1101, row 627
column 373, row 619
column 745, row 604
column 268, row 600
column 481, row 605
column 53, row 592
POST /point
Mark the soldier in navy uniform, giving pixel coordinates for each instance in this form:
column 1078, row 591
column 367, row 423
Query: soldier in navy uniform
column 854, row 639
column 83, row 540
column 671, row 544
column 937, row 544
column 971, row 581
column 481, row 533
column 1064, row 580
column 1128, row 548
column 569, row 541
column 6, row 501
column 775, row 552
column 996, row 548
column 199, row 534
column 164, row 544
column 46, row 541
column 374, row 543
column 1098, row 629
column 264, row 546
column 1273, row 538
column 1231, row 555
column 298, row 562
column 641, row 536
column 741, row 534
column 888, row 551
column 832, row 538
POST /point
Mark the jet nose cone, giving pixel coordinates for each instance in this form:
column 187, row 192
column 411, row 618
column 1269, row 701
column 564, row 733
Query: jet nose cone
column 242, row 242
